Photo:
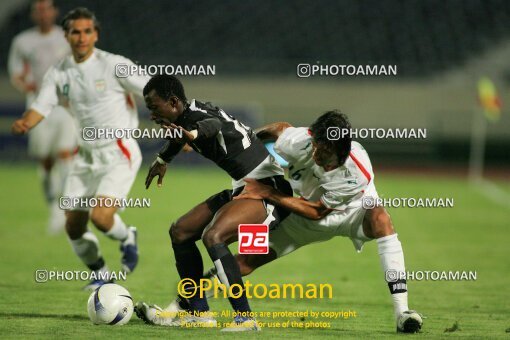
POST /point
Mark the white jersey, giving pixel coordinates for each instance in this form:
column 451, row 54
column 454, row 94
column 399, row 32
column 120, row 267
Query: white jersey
column 34, row 53
column 96, row 97
column 337, row 189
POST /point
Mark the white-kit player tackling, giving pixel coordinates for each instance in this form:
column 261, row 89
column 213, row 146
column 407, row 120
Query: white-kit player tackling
column 332, row 176
column 103, row 167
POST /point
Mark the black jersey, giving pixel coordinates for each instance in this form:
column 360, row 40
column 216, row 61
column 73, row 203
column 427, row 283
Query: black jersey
column 221, row 138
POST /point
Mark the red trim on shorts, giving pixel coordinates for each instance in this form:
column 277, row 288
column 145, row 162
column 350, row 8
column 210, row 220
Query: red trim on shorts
column 130, row 101
column 361, row 167
column 309, row 132
column 124, row 150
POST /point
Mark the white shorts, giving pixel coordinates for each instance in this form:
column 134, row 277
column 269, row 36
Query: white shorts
column 53, row 134
column 106, row 171
column 297, row 231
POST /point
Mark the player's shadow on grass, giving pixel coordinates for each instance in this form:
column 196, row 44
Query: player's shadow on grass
column 70, row 317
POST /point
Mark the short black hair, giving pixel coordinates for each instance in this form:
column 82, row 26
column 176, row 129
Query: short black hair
column 165, row 86
column 319, row 131
column 79, row 13
column 52, row 2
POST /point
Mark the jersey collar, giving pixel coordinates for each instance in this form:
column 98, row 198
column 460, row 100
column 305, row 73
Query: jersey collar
column 92, row 57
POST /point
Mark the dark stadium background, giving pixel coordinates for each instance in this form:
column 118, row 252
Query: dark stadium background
column 441, row 49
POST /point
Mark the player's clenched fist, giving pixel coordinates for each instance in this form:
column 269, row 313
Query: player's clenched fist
column 19, row 127
column 157, row 169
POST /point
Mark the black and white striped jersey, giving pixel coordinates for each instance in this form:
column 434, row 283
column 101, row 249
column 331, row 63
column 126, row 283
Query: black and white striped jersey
column 221, row 138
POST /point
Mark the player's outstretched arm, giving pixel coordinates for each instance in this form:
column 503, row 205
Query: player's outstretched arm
column 158, row 167
column 30, row 119
column 20, row 83
column 271, row 132
column 311, row 210
column 187, row 136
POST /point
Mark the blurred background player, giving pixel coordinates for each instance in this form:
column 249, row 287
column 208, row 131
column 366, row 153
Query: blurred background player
column 31, row 54
column 103, row 167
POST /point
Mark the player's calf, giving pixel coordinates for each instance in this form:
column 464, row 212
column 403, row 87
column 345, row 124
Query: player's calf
column 188, row 261
column 377, row 223
column 76, row 223
column 108, row 221
column 85, row 245
column 248, row 263
column 216, row 237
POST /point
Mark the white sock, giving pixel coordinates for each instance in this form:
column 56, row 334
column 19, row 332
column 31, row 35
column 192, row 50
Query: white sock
column 392, row 261
column 87, row 249
column 119, row 230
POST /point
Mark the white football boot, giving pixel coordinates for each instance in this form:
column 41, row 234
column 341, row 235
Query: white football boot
column 155, row 315
column 409, row 322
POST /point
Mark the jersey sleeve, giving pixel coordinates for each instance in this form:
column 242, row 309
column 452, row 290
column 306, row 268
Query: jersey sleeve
column 294, row 145
column 15, row 63
column 208, row 127
column 47, row 98
column 170, row 150
column 133, row 83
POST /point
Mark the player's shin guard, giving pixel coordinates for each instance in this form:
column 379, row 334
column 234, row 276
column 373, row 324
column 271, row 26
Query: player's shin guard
column 119, row 230
column 87, row 249
column 392, row 261
column 229, row 274
column 188, row 261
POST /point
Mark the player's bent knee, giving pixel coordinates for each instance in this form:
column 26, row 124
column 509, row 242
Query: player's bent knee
column 175, row 235
column 102, row 218
column 179, row 234
column 213, row 236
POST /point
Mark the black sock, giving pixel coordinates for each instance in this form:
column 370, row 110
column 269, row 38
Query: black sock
column 211, row 273
column 228, row 270
column 189, row 265
column 96, row 265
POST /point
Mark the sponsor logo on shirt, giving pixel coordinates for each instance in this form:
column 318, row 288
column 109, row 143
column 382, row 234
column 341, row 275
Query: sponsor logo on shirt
column 100, row 85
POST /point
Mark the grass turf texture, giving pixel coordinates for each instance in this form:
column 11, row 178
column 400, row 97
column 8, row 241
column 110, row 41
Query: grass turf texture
column 472, row 236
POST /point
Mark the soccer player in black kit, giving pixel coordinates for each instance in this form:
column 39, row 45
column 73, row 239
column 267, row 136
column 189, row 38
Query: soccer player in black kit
column 235, row 148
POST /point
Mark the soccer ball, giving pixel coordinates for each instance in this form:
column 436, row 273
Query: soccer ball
column 110, row 304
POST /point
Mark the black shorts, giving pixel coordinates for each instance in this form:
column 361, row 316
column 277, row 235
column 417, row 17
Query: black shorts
column 276, row 213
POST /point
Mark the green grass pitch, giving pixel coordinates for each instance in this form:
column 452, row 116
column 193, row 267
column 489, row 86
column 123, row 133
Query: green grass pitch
column 472, row 236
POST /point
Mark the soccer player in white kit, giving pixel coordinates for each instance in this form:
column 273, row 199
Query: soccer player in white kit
column 331, row 176
column 31, row 54
column 103, row 167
